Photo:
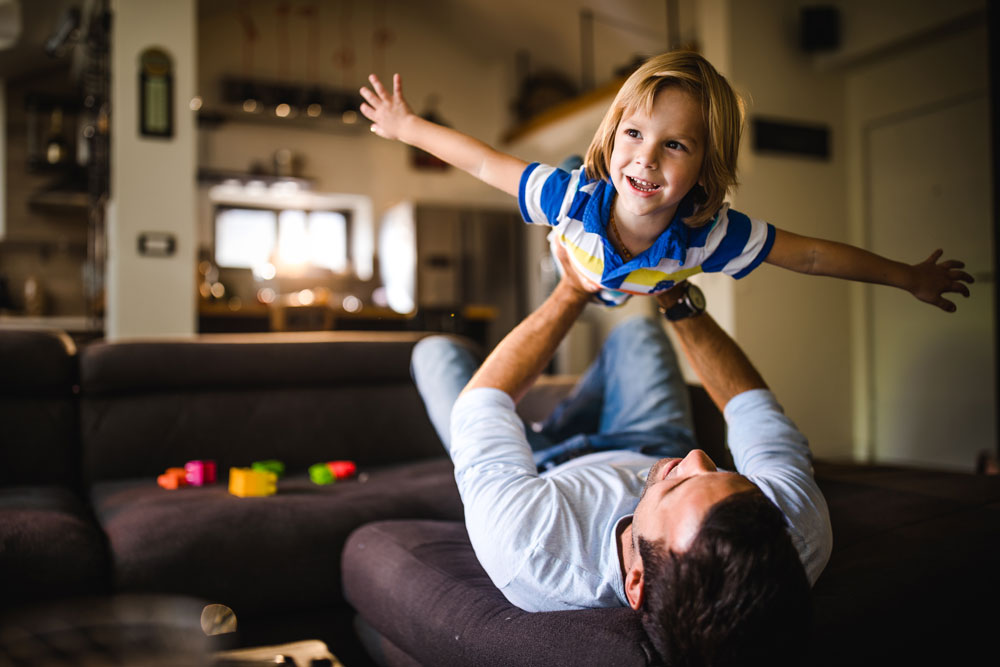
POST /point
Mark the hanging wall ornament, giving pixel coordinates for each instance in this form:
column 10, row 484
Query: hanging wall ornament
column 314, row 98
column 382, row 37
column 344, row 57
column 250, row 37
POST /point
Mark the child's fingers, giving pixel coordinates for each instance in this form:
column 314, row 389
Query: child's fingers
column 945, row 305
column 367, row 111
column 961, row 289
column 377, row 85
column 370, row 97
column 961, row 275
column 934, row 256
column 397, row 85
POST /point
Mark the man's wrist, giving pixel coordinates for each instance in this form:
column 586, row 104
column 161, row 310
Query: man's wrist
column 670, row 297
column 567, row 290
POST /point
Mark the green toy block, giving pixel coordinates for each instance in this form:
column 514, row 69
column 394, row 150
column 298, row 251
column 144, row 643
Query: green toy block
column 270, row 465
column 320, row 473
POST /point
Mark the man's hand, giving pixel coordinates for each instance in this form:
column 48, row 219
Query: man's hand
column 571, row 277
column 387, row 111
column 930, row 279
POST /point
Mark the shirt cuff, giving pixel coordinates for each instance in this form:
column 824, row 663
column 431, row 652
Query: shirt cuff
column 749, row 402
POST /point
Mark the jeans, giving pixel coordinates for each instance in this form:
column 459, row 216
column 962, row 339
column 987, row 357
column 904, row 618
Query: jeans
column 633, row 396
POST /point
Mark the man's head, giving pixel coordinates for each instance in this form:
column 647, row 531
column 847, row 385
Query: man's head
column 715, row 576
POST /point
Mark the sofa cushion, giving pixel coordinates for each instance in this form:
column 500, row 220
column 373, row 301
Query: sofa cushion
column 50, row 546
column 418, row 585
column 40, row 442
column 259, row 554
column 146, row 406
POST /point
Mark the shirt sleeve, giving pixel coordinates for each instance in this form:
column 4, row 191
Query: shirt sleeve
column 771, row 452
column 503, row 495
column 740, row 244
column 546, row 193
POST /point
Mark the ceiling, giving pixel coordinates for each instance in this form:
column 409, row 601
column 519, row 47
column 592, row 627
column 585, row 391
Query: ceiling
column 548, row 30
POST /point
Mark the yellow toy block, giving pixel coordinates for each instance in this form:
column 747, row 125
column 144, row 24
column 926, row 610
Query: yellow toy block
column 244, row 482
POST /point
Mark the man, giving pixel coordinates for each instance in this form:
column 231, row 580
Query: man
column 626, row 511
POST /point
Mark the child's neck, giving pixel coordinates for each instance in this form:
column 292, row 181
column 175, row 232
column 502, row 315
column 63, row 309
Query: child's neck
column 637, row 233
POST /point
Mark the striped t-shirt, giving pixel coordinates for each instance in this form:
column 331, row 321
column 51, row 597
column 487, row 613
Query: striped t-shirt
column 578, row 209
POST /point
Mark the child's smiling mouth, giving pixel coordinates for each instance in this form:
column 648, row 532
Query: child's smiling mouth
column 641, row 185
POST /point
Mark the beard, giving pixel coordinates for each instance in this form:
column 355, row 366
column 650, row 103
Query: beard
column 654, row 473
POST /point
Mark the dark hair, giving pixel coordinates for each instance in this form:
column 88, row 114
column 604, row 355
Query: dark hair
column 739, row 594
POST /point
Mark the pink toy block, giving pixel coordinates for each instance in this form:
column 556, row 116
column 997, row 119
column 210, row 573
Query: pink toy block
column 172, row 479
column 200, row 473
column 245, row 482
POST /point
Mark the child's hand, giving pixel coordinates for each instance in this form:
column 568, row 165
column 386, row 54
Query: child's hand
column 388, row 112
column 931, row 279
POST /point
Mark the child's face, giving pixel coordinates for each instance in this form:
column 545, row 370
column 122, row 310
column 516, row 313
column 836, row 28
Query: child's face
column 657, row 158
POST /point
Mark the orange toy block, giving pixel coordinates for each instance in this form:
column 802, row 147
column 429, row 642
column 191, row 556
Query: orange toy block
column 172, row 479
column 245, row 482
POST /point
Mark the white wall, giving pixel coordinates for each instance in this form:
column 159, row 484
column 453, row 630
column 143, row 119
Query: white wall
column 793, row 327
column 152, row 179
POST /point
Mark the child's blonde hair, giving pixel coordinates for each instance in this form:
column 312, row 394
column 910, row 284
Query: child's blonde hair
column 722, row 109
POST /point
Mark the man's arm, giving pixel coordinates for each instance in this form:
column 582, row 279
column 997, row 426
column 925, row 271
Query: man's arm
column 515, row 363
column 393, row 119
column 723, row 368
column 766, row 446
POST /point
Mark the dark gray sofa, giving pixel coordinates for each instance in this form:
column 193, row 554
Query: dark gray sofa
column 380, row 567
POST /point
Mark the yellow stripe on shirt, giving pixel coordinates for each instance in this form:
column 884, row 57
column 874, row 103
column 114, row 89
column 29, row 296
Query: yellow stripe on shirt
column 651, row 277
column 593, row 264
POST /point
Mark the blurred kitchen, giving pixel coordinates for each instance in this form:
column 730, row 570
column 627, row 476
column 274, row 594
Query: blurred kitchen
column 174, row 167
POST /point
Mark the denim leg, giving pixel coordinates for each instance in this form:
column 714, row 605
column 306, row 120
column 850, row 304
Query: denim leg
column 644, row 387
column 634, row 386
column 441, row 366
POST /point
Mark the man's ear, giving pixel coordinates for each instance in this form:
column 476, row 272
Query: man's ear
column 635, row 585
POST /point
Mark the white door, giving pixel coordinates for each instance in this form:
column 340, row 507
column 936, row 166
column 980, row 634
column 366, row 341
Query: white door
column 933, row 372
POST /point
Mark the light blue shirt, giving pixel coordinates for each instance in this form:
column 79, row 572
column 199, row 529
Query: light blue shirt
column 549, row 541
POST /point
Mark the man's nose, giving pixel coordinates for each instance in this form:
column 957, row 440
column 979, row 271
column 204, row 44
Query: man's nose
column 697, row 462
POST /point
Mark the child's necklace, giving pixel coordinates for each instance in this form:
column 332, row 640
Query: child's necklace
column 614, row 230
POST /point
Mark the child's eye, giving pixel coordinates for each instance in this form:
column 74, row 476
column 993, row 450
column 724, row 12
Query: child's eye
column 632, row 133
column 675, row 146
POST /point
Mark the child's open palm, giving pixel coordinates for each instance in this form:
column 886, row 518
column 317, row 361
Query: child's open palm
column 931, row 279
column 387, row 111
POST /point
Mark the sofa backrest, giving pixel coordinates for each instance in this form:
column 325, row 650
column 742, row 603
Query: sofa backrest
column 299, row 398
column 39, row 441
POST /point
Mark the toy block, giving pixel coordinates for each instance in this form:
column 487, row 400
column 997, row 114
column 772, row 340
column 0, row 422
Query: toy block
column 342, row 469
column 173, row 478
column 320, row 473
column 245, row 482
column 270, row 465
column 200, row 473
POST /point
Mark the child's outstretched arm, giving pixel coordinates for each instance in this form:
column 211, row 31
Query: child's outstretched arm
column 393, row 119
column 927, row 280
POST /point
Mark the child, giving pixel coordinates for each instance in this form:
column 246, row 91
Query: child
column 646, row 210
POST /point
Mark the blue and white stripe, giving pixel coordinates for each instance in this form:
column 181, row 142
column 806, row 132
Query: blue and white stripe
column 578, row 209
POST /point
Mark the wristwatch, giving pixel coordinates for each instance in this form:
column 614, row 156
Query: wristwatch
column 691, row 303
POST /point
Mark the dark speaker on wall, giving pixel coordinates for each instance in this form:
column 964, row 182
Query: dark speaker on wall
column 819, row 28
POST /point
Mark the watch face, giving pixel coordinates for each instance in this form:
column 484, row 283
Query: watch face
column 697, row 297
